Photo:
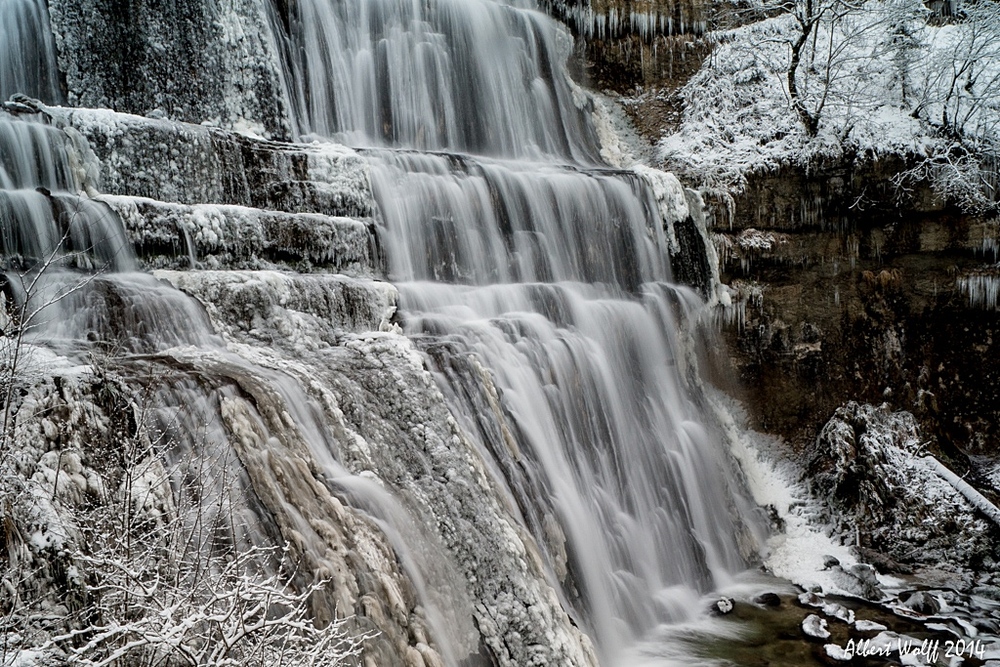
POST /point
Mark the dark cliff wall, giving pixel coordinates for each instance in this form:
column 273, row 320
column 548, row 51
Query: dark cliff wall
column 643, row 50
column 852, row 292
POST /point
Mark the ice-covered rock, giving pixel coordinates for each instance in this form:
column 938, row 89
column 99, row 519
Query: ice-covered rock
column 835, row 652
column 236, row 237
column 271, row 304
column 723, row 606
column 884, row 497
column 192, row 164
column 839, row 611
column 190, row 60
column 920, row 602
column 863, row 625
column 692, row 254
column 860, row 579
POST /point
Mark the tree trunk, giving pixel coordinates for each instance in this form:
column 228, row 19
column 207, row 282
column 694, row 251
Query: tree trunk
column 810, row 121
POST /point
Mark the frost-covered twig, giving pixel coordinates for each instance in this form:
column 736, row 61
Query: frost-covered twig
column 238, row 615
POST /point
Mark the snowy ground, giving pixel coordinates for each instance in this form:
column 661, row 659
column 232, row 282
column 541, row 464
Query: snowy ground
column 881, row 80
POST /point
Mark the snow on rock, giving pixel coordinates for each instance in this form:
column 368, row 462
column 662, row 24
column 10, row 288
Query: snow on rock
column 839, row 611
column 723, row 606
column 692, row 254
column 920, row 602
column 811, row 599
column 217, row 236
column 59, row 430
column 193, row 164
column 860, row 579
column 738, row 118
column 760, row 241
column 881, row 492
column 271, row 303
column 837, row 653
column 612, row 131
column 815, row 627
column 862, row 625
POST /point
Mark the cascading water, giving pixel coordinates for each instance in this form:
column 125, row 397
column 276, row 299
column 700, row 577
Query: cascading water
column 45, row 223
column 566, row 412
column 27, row 52
column 557, row 281
column 473, row 76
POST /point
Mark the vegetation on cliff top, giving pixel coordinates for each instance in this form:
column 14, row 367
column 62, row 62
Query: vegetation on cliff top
column 828, row 80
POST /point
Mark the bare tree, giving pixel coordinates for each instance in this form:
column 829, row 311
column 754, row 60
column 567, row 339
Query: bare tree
column 160, row 577
column 958, row 95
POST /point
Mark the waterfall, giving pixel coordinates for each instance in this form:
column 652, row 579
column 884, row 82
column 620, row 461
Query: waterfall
column 531, row 460
column 45, row 222
column 476, row 76
column 27, row 52
column 541, row 292
column 556, row 281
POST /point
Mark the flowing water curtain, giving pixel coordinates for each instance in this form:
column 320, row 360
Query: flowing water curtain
column 477, row 221
column 612, row 442
column 27, row 52
column 556, row 281
column 558, row 339
column 467, row 75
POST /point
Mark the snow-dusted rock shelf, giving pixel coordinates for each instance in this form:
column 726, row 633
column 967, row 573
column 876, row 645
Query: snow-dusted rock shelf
column 169, row 235
column 195, row 164
column 255, row 301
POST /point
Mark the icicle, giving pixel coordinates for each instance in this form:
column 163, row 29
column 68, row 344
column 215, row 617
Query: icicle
column 982, row 290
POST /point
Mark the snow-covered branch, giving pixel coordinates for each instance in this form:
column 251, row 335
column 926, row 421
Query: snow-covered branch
column 976, row 499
